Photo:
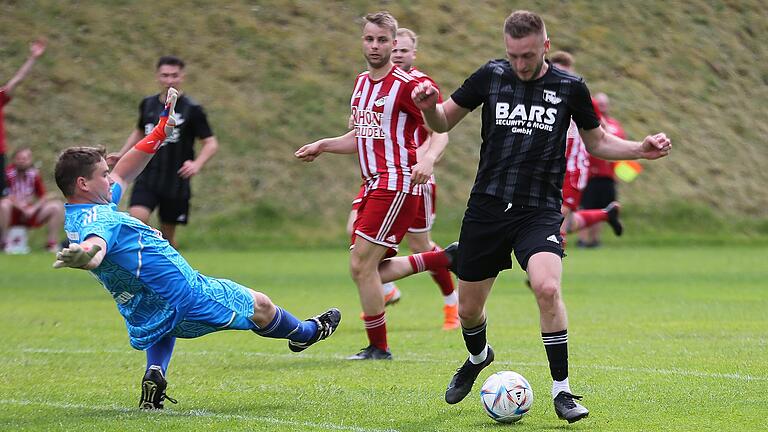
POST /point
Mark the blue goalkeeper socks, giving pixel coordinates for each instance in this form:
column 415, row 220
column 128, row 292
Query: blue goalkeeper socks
column 160, row 353
column 286, row 326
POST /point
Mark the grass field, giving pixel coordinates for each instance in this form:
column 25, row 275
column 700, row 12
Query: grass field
column 661, row 339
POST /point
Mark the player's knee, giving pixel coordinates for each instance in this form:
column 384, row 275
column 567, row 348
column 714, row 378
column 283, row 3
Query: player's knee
column 470, row 313
column 546, row 291
column 261, row 303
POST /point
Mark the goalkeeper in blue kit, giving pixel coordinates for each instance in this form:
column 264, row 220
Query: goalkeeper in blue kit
column 160, row 296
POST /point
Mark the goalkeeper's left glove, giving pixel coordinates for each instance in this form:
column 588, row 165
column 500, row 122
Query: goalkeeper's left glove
column 150, row 143
column 75, row 256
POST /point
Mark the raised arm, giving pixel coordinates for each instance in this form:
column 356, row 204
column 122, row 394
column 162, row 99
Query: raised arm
column 137, row 158
column 344, row 144
column 131, row 141
column 36, row 49
column 439, row 117
column 610, row 147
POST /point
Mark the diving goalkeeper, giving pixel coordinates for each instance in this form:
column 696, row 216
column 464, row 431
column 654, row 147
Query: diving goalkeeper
column 160, row 296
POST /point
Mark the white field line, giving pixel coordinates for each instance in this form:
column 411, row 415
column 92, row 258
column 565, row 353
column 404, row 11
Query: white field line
column 191, row 413
column 675, row 371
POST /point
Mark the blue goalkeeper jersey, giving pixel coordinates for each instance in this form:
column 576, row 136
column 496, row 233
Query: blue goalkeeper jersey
column 152, row 284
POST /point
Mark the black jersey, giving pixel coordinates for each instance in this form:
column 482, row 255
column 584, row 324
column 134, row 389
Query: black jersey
column 522, row 157
column 161, row 175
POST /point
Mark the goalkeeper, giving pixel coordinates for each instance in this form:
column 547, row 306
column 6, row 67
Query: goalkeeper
column 160, row 296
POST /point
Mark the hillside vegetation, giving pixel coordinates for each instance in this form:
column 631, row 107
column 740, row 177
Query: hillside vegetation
column 274, row 75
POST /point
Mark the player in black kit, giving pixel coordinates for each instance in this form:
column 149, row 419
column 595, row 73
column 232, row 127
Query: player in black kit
column 165, row 183
column 515, row 202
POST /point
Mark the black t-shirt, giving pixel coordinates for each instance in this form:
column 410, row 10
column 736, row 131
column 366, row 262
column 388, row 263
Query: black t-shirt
column 525, row 123
column 161, row 175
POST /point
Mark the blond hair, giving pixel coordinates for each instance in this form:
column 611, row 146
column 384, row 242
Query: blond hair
column 382, row 19
column 404, row 32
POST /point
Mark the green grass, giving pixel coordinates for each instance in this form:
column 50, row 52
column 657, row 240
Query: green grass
column 662, row 338
column 276, row 74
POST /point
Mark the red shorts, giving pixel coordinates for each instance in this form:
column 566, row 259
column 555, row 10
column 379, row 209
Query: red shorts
column 425, row 215
column 571, row 193
column 18, row 219
column 384, row 217
column 359, row 198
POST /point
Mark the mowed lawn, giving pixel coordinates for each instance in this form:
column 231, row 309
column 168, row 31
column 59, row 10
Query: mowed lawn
column 660, row 339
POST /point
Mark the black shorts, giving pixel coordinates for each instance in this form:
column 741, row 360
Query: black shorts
column 490, row 232
column 600, row 192
column 171, row 210
column 3, row 190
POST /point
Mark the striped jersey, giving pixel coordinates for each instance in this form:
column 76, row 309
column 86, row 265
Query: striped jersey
column 577, row 162
column 422, row 133
column 385, row 122
column 524, row 128
column 24, row 186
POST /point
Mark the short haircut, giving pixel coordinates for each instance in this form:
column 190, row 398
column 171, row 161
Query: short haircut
column 75, row 162
column 562, row 58
column 522, row 23
column 404, row 32
column 170, row 61
column 20, row 149
column 382, row 19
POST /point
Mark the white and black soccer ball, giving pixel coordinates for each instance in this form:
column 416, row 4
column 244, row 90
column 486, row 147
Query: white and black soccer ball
column 506, row 396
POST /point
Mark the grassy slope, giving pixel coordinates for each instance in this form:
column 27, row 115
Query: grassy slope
column 276, row 74
column 660, row 339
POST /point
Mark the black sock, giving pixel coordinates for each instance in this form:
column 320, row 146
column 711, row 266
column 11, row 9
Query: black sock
column 556, row 344
column 474, row 338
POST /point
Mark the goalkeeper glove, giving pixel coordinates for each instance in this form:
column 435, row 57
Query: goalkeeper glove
column 75, row 256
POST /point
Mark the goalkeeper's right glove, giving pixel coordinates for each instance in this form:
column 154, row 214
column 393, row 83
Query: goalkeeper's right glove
column 75, row 256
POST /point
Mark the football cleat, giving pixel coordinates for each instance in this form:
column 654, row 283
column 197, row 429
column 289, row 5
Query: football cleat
column 371, row 352
column 153, row 387
column 326, row 324
column 451, row 321
column 568, row 409
column 451, row 252
column 464, row 378
column 393, row 297
column 613, row 217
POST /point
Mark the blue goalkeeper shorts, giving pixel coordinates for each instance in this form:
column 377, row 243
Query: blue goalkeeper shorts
column 223, row 305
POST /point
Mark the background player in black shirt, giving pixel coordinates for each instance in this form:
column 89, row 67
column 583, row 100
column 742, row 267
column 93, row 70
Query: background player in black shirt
column 515, row 202
column 165, row 183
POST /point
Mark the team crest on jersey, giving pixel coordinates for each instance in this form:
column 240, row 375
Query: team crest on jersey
column 381, row 101
column 551, row 97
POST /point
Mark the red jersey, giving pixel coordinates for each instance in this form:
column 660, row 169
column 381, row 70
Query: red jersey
column 385, row 121
column 23, row 186
column 422, row 134
column 4, row 99
column 603, row 168
column 577, row 164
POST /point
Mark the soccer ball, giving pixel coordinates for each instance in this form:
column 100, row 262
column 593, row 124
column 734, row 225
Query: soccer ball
column 506, row 396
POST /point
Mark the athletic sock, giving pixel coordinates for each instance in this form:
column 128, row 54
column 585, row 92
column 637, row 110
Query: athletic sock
column 475, row 340
column 160, row 353
column 451, row 299
column 388, row 288
column 591, row 217
column 479, row 358
column 442, row 277
column 433, row 260
column 556, row 344
column 376, row 328
column 286, row 326
column 558, row 386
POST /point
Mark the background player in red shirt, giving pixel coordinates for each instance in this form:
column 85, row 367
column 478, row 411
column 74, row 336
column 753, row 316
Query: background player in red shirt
column 429, row 149
column 27, row 204
column 385, row 120
column 601, row 187
column 36, row 49
column 577, row 173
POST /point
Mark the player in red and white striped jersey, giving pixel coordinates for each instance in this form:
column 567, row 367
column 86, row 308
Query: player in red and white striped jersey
column 577, row 172
column 27, row 203
column 385, row 121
